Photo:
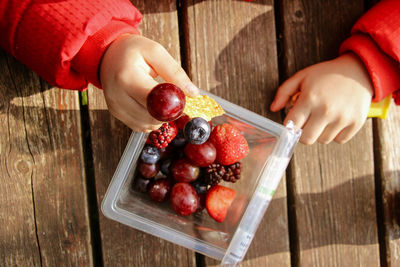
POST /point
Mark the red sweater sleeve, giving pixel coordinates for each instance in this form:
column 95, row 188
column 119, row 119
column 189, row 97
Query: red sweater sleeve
column 64, row 41
column 376, row 40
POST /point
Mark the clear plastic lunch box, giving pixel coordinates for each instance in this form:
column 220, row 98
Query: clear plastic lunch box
column 271, row 146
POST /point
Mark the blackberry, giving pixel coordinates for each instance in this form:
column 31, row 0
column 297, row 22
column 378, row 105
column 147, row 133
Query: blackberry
column 161, row 137
column 232, row 172
column 213, row 174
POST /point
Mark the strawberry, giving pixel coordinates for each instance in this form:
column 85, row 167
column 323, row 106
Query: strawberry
column 218, row 200
column 230, row 144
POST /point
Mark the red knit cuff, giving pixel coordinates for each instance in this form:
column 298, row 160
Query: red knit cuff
column 87, row 61
column 383, row 70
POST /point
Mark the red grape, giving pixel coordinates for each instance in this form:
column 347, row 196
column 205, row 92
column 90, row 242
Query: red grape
column 184, row 171
column 181, row 121
column 159, row 189
column 201, row 155
column 184, row 199
column 148, row 170
column 166, row 102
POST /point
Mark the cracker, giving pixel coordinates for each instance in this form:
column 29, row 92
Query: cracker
column 202, row 106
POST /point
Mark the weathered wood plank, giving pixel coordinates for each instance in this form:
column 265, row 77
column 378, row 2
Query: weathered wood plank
column 333, row 185
column 388, row 153
column 121, row 245
column 43, row 190
column 232, row 53
column 17, row 234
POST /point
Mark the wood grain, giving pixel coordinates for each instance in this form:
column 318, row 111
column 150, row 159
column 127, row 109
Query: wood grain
column 333, row 185
column 43, row 195
column 388, row 154
column 232, row 53
column 122, row 245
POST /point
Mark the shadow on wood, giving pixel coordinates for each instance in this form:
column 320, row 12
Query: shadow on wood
column 337, row 220
column 237, row 68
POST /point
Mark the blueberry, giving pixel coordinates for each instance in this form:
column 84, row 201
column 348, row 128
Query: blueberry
column 197, row 131
column 141, row 184
column 200, row 187
column 150, row 155
column 165, row 166
column 179, row 140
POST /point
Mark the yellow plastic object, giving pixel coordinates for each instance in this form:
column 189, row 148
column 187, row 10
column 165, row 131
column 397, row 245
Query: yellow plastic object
column 380, row 109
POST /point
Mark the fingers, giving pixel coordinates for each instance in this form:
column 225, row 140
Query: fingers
column 347, row 133
column 313, row 128
column 131, row 113
column 286, row 90
column 330, row 132
column 170, row 70
column 139, row 85
column 299, row 113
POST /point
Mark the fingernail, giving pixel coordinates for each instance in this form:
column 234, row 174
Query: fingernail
column 191, row 89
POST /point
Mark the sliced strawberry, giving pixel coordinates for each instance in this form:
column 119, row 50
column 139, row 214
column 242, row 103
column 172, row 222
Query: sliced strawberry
column 230, row 144
column 219, row 199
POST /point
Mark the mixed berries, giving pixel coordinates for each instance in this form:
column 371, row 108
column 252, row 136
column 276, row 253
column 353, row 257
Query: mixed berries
column 185, row 160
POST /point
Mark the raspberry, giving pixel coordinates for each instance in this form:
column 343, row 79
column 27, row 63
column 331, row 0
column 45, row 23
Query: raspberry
column 163, row 136
column 232, row 172
column 214, row 173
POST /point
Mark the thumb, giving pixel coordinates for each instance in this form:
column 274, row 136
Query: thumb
column 286, row 90
column 170, row 70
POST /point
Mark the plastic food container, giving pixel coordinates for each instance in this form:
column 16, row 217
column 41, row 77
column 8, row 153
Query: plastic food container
column 271, row 147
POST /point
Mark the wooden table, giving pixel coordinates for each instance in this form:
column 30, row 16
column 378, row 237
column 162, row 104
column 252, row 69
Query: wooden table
column 339, row 205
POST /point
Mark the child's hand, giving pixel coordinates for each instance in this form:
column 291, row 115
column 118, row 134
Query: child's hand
column 334, row 100
column 127, row 74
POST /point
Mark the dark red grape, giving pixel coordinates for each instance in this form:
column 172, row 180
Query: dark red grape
column 184, row 199
column 148, row 170
column 159, row 189
column 184, row 171
column 201, row 155
column 166, row 102
column 202, row 202
column 181, row 121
